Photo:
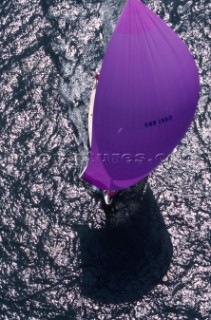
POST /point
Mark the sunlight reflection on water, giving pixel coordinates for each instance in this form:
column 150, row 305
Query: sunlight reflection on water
column 60, row 247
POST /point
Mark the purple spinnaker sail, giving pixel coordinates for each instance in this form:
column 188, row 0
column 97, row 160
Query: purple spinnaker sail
column 145, row 100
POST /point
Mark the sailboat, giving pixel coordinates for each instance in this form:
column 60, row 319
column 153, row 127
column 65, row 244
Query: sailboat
column 143, row 102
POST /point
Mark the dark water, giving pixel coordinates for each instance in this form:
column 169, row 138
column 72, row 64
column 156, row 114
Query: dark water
column 63, row 255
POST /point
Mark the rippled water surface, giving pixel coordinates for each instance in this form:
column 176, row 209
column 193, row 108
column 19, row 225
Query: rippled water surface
column 63, row 255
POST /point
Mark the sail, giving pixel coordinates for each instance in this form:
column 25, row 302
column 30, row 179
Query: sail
column 145, row 100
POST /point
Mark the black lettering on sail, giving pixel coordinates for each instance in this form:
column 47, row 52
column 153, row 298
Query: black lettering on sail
column 162, row 120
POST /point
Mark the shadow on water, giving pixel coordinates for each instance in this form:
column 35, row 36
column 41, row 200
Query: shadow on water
column 124, row 260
